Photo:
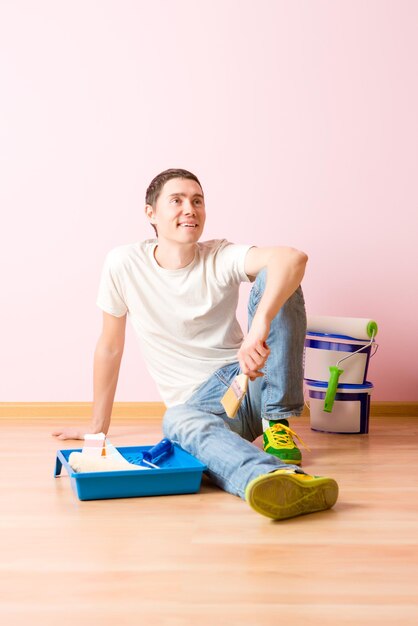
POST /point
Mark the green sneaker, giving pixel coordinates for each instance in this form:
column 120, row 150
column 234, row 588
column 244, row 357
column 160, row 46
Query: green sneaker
column 283, row 493
column 278, row 440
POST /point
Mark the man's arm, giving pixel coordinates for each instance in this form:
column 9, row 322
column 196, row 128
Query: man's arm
column 285, row 270
column 107, row 360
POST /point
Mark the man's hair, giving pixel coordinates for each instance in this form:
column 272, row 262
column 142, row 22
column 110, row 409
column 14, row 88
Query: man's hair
column 156, row 185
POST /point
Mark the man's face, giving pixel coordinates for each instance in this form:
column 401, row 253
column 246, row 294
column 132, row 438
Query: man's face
column 179, row 214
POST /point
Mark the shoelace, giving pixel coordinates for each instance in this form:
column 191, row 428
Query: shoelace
column 285, row 438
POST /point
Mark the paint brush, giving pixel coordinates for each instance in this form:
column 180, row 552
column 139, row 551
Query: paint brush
column 232, row 399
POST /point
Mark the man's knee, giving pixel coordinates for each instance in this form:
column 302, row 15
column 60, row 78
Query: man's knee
column 171, row 422
column 261, row 279
column 295, row 301
column 257, row 290
column 180, row 423
column 184, row 424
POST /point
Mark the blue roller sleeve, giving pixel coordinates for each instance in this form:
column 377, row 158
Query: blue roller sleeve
column 161, row 450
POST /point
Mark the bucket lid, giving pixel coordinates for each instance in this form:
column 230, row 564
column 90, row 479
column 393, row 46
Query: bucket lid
column 332, row 336
column 322, row 385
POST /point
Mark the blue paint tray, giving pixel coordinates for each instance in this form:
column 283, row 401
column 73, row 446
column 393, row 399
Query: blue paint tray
column 178, row 473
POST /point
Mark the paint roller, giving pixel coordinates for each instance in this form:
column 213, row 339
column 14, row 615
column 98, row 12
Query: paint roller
column 113, row 461
column 80, row 462
column 350, row 327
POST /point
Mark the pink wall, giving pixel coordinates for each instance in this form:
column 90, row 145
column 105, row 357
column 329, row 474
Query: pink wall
column 300, row 118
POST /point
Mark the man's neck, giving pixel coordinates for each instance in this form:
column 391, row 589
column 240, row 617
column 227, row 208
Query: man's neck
column 172, row 256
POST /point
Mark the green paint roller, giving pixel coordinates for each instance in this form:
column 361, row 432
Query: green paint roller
column 354, row 327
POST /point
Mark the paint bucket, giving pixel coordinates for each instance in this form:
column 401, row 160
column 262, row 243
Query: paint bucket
column 351, row 409
column 323, row 351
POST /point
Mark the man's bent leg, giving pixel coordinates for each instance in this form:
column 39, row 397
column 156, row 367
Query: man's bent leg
column 279, row 392
column 282, row 383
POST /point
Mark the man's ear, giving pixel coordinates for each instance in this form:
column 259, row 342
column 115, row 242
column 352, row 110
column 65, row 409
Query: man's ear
column 150, row 213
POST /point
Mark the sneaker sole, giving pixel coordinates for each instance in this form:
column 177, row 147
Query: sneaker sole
column 280, row 496
column 291, row 461
column 288, row 461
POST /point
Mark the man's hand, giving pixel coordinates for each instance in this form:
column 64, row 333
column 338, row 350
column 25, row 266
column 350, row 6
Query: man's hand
column 254, row 351
column 69, row 433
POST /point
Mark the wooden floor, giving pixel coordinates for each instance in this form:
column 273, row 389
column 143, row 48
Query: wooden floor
column 208, row 559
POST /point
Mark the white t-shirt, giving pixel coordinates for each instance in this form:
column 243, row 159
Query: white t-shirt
column 185, row 319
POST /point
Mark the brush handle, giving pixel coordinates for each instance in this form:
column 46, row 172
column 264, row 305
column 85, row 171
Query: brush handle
column 238, row 388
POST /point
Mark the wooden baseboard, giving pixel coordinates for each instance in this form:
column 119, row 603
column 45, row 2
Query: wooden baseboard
column 153, row 410
column 394, row 409
column 127, row 410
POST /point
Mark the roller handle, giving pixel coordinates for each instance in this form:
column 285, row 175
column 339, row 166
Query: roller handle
column 332, row 387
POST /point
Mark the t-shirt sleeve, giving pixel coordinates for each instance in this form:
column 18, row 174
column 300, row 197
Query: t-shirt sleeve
column 230, row 262
column 110, row 298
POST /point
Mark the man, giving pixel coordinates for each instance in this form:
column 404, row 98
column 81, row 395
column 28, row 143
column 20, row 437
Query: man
column 181, row 296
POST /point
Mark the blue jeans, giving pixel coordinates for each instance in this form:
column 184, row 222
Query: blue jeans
column 201, row 425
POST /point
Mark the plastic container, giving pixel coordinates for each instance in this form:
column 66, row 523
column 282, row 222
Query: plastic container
column 351, row 410
column 323, row 351
column 180, row 472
